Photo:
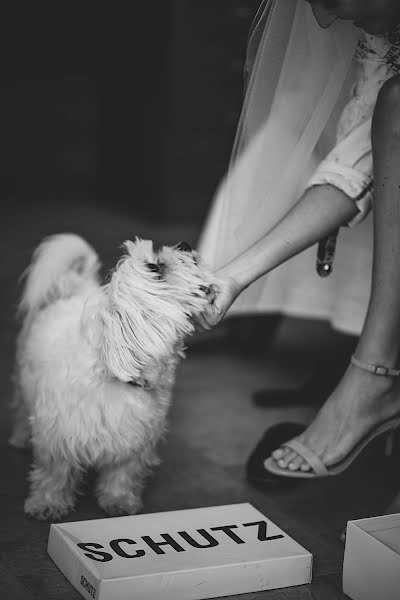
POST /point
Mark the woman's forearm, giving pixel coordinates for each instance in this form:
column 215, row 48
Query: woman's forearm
column 320, row 211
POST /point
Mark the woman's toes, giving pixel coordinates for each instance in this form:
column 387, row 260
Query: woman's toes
column 280, row 454
column 287, row 459
column 277, row 454
column 283, row 462
column 305, row 467
column 295, row 463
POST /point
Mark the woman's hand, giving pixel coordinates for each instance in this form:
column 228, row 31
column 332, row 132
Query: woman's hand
column 220, row 299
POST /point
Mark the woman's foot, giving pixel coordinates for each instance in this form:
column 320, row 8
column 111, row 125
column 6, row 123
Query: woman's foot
column 359, row 403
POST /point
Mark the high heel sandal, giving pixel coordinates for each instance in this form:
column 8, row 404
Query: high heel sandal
column 319, row 470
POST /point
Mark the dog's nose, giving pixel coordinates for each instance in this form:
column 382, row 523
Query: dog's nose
column 184, row 247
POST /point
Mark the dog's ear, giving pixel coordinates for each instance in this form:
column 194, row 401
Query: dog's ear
column 110, row 330
column 142, row 322
column 124, row 347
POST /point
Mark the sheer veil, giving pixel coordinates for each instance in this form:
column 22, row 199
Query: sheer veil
column 297, row 79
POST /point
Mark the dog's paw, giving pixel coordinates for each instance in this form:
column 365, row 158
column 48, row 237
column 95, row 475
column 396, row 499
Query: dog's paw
column 45, row 511
column 124, row 504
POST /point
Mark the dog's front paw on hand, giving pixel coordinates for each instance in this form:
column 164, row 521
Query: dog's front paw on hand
column 124, row 504
column 45, row 511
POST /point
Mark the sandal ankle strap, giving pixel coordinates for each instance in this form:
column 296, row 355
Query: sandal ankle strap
column 375, row 369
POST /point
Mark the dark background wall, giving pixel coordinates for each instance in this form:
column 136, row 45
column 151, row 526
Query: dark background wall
column 134, row 104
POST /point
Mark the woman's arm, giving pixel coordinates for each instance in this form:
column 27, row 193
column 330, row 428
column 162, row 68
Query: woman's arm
column 320, row 211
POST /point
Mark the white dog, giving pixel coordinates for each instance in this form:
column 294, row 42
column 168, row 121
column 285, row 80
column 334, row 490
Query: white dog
column 95, row 366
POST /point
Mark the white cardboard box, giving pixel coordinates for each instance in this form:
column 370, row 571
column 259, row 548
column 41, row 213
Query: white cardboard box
column 371, row 569
column 179, row 555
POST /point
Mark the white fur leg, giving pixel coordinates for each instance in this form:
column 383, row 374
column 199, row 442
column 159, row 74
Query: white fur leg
column 21, row 431
column 53, row 490
column 120, row 486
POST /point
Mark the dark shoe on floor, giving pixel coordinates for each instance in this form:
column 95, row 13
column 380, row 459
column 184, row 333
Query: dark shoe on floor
column 328, row 370
column 314, row 392
column 252, row 335
column 273, row 398
column 271, row 440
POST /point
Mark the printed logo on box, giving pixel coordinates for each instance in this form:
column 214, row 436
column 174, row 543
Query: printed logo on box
column 123, row 547
column 91, row 590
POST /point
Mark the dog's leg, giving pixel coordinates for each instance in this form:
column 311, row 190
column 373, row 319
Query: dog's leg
column 21, row 431
column 53, row 489
column 120, row 485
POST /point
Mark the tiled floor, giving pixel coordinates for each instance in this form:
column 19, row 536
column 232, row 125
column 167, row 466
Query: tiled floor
column 213, row 427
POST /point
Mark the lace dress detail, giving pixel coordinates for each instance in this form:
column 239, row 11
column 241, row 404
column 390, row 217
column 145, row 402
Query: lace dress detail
column 385, row 48
column 378, row 60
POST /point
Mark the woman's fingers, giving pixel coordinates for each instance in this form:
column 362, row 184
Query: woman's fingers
column 202, row 324
column 219, row 299
column 212, row 315
column 209, row 318
column 212, row 294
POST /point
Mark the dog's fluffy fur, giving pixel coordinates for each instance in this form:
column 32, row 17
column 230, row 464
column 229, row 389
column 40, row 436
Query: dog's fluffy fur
column 95, row 366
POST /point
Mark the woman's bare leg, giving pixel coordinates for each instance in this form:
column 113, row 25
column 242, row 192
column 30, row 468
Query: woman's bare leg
column 361, row 399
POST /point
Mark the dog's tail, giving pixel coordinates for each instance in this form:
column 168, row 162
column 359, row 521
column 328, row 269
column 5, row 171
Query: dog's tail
column 59, row 266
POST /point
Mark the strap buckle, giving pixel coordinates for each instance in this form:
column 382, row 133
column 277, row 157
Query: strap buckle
column 381, row 371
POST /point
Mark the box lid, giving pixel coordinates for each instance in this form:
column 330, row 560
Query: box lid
column 385, row 529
